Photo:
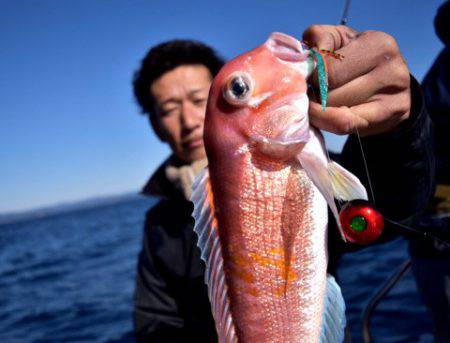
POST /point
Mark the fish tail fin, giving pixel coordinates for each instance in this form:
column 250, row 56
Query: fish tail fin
column 211, row 253
column 333, row 318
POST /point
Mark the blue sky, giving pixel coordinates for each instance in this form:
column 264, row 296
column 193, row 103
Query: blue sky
column 69, row 126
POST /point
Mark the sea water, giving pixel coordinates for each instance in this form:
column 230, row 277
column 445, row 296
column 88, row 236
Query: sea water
column 70, row 277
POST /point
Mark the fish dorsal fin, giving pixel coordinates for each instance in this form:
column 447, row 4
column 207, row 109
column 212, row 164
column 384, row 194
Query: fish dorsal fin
column 211, row 252
column 333, row 317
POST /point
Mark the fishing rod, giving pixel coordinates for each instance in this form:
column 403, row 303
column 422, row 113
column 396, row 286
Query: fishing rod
column 344, row 18
column 390, row 283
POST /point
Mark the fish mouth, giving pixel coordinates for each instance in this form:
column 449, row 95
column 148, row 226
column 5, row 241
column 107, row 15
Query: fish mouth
column 286, row 48
column 290, row 50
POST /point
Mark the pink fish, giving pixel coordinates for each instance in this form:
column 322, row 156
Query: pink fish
column 261, row 204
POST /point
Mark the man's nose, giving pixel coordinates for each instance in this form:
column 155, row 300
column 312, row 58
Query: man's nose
column 189, row 116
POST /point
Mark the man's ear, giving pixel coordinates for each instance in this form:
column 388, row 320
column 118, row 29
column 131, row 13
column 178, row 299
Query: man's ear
column 154, row 122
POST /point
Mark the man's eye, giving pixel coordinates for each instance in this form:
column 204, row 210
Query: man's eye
column 168, row 111
column 199, row 101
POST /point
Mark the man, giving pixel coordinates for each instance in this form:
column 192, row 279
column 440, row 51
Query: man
column 370, row 89
column 172, row 87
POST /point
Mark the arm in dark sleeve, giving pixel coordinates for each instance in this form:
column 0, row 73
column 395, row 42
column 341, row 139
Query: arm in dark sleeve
column 436, row 90
column 156, row 312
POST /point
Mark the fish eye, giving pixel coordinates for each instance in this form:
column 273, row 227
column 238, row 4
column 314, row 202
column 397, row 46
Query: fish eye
column 238, row 90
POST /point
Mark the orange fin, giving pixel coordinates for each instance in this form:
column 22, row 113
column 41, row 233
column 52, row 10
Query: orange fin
column 211, row 252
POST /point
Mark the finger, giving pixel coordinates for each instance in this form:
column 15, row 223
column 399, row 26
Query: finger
column 362, row 88
column 329, row 37
column 353, row 93
column 379, row 116
column 383, row 115
column 338, row 120
column 377, row 113
column 370, row 50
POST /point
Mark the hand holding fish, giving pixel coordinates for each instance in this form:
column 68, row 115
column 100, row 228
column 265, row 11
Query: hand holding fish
column 369, row 89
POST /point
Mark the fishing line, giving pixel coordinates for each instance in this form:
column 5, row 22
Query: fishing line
column 419, row 232
column 366, row 168
column 344, row 21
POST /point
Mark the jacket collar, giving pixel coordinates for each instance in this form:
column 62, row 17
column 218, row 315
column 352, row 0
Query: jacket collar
column 159, row 185
column 174, row 179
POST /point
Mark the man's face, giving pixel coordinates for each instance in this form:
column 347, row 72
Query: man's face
column 180, row 97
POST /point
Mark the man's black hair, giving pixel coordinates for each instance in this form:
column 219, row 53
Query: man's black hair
column 441, row 23
column 167, row 56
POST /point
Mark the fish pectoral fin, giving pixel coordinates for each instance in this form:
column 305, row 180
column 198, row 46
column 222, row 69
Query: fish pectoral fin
column 333, row 318
column 346, row 186
column 332, row 180
column 313, row 159
column 211, row 253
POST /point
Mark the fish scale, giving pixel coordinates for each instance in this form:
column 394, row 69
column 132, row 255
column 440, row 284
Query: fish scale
column 266, row 305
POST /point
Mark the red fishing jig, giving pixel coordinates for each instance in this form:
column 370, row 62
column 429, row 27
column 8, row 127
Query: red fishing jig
column 362, row 224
